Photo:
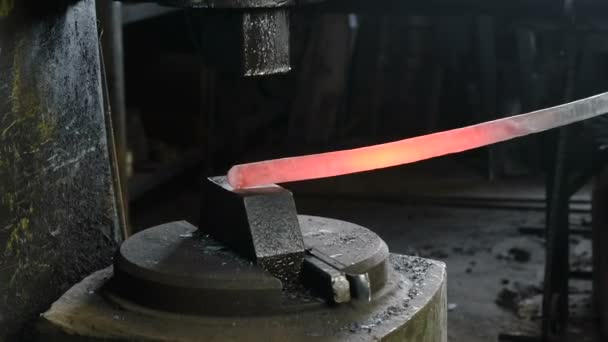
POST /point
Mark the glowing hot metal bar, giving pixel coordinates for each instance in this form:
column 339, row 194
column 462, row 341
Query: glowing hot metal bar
column 414, row 149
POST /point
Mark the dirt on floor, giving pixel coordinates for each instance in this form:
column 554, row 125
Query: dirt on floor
column 495, row 273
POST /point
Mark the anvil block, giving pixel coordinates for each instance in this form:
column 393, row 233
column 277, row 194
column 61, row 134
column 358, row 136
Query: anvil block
column 260, row 224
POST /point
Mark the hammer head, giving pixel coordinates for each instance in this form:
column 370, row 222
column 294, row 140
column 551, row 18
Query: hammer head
column 252, row 42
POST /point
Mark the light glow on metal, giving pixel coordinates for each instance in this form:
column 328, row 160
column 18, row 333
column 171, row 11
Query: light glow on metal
column 411, row 150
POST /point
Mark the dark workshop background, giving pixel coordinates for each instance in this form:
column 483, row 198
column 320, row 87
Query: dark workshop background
column 355, row 80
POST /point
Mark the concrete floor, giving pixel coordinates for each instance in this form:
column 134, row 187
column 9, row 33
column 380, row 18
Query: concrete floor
column 494, row 273
column 475, row 244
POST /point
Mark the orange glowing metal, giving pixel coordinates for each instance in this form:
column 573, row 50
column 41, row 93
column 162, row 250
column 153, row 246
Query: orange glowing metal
column 414, row 149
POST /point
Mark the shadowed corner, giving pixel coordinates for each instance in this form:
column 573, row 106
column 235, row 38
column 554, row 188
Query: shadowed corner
column 6, row 6
column 41, row 9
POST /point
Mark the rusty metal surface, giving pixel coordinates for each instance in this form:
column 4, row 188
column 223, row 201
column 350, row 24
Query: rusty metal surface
column 260, row 224
column 58, row 217
column 413, row 307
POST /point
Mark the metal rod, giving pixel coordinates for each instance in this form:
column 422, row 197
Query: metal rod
column 414, row 149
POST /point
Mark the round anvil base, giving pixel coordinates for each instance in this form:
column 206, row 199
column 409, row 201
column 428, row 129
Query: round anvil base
column 176, row 268
column 408, row 305
column 413, row 308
